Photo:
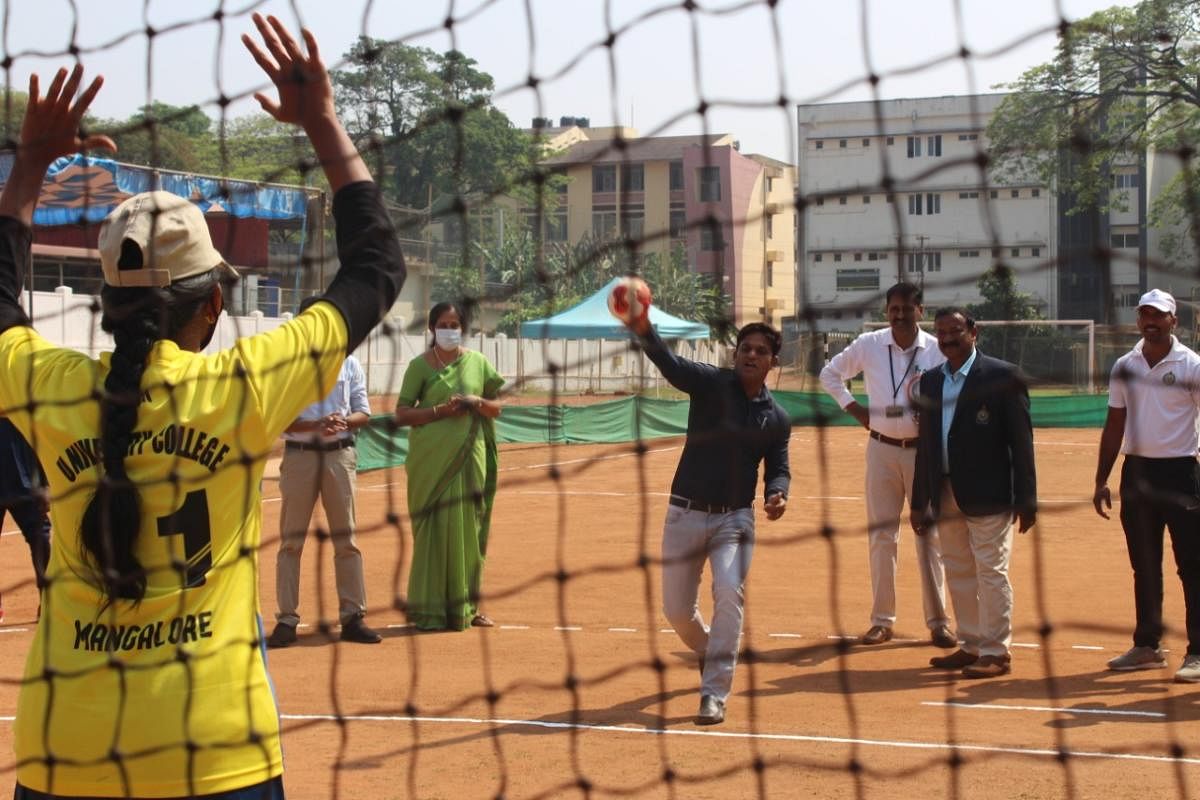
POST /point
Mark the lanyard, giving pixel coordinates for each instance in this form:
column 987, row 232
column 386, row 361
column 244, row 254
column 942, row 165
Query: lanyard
column 903, row 375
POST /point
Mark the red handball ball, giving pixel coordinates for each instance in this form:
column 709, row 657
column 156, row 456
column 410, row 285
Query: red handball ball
column 629, row 299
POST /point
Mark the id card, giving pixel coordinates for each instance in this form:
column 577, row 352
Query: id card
column 893, row 412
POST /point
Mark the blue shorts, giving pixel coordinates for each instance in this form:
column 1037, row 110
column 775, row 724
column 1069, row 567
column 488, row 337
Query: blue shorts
column 271, row 790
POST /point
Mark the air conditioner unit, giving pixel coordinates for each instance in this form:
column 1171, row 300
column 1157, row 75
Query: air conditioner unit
column 772, row 208
column 774, row 303
column 773, row 172
column 774, row 255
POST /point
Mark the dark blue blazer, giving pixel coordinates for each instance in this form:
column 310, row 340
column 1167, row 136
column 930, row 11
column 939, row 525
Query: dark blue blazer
column 990, row 444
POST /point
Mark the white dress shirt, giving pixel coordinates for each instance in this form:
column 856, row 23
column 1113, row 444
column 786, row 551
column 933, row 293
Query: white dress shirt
column 349, row 395
column 891, row 375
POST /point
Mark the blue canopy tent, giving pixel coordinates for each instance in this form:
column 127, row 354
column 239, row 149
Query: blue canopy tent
column 592, row 320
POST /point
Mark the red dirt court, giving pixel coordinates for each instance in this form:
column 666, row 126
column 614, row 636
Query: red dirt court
column 563, row 698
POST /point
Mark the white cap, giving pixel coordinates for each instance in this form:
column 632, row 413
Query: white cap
column 1157, row 298
column 172, row 235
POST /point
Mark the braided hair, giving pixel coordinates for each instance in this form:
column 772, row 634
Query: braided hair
column 137, row 318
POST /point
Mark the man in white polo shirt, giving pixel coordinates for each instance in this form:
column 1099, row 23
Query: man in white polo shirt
column 1153, row 402
column 891, row 361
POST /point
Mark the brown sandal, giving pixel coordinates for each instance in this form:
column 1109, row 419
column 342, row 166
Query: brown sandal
column 481, row 621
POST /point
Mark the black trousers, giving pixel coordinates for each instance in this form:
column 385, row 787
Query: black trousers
column 1158, row 492
column 35, row 527
column 270, row 790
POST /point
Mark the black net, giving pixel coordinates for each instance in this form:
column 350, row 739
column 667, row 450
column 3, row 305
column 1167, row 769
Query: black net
column 487, row 605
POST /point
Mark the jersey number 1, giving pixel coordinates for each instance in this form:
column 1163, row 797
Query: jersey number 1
column 191, row 520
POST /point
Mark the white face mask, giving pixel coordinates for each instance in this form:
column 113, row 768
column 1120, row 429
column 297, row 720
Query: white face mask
column 447, row 338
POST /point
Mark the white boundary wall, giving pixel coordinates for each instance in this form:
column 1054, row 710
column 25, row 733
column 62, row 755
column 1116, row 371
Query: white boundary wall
column 582, row 365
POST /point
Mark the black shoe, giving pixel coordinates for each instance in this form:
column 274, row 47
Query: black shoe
column 712, row 711
column 943, row 638
column 356, row 631
column 282, row 636
column 956, row 660
column 878, row 634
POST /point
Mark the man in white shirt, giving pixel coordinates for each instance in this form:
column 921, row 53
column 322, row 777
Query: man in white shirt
column 891, row 361
column 319, row 459
column 1153, row 403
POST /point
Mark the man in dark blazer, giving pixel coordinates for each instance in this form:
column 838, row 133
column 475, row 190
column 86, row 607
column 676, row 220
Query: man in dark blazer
column 21, row 480
column 974, row 477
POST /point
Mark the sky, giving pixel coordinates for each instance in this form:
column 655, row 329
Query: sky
column 736, row 58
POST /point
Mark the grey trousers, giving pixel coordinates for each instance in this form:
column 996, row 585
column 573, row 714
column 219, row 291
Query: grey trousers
column 726, row 542
column 303, row 476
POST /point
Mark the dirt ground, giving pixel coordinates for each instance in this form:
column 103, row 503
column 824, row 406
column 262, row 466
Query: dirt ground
column 580, row 692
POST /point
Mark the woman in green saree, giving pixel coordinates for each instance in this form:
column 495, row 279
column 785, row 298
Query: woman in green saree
column 448, row 397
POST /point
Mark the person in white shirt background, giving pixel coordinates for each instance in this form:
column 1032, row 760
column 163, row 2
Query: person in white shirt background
column 891, row 361
column 319, row 460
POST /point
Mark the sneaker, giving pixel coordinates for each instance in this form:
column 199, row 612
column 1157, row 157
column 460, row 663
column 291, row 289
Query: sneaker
column 1190, row 671
column 1138, row 658
column 355, row 630
column 282, row 636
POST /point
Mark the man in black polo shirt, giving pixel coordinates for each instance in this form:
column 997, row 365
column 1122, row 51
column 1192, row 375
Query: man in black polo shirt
column 733, row 424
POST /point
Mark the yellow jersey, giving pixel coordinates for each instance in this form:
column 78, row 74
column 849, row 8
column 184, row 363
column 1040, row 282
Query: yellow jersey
column 170, row 696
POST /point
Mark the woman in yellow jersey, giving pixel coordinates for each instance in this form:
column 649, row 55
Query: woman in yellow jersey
column 147, row 676
column 449, row 397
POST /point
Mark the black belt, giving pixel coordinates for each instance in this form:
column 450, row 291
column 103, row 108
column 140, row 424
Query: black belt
column 683, row 502
column 902, row 443
column 322, row 447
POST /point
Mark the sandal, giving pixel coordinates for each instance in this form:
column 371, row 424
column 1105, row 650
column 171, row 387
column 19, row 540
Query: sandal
column 482, row 621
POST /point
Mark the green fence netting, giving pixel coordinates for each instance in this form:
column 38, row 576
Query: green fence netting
column 632, row 418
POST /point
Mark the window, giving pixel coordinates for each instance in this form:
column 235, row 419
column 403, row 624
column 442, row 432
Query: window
column 933, row 204
column 993, row 194
column 968, row 137
column 768, row 184
column 820, row 201
column 1035, row 252
column 1016, row 192
column 556, row 226
column 914, row 146
column 924, row 262
column 858, row 256
column 914, row 205
column 837, row 257
column 935, row 145
column 604, row 222
column 711, row 240
column 676, row 176
column 968, row 254
column 561, row 174
column 710, row 184
column 891, row 198
column 968, row 195
column 633, row 222
column 604, row 178
column 866, row 142
column 872, row 256
column 866, row 199
column 1035, row 192
column 770, row 274
column 843, row 200
column 857, row 280
column 819, row 144
column 1015, row 252
column 677, row 223
column 816, row 257
column 1126, row 240
column 633, row 178
column 996, row 251
column 842, row 143
column 1125, row 180
column 770, row 226
column 891, row 140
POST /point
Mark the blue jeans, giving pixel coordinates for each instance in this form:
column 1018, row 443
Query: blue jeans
column 270, row 790
column 726, row 541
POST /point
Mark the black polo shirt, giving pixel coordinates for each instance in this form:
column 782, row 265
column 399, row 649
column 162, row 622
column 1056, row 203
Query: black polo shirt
column 728, row 434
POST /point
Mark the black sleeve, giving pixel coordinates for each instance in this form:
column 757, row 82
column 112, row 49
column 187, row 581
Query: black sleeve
column 685, row 375
column 16, row 242
column 921, row 496
column 1020, row 443
column 372, row 270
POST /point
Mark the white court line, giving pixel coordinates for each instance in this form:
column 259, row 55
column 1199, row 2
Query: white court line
column 842, row 636
column 666, row 630
column 567, row 628
column 996, row 707
column 1026, row 644
column 622, row 630
column 399, row 625
column 13, row 630
column 786, row 635
column 514, row 627
column 1085, row 647
column 778, row 737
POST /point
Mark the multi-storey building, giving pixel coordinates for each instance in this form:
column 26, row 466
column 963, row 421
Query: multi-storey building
column 895, row 190
column 731, row 213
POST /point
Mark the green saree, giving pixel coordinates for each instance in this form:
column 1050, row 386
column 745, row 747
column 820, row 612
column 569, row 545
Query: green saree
column 451, row 467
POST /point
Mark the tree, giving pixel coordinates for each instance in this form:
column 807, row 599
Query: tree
column 162, row 135
column 1001, row 300
column 1123, row 81
column 429, row 119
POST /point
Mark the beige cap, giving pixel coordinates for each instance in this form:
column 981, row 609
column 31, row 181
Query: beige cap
column 172, row 235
